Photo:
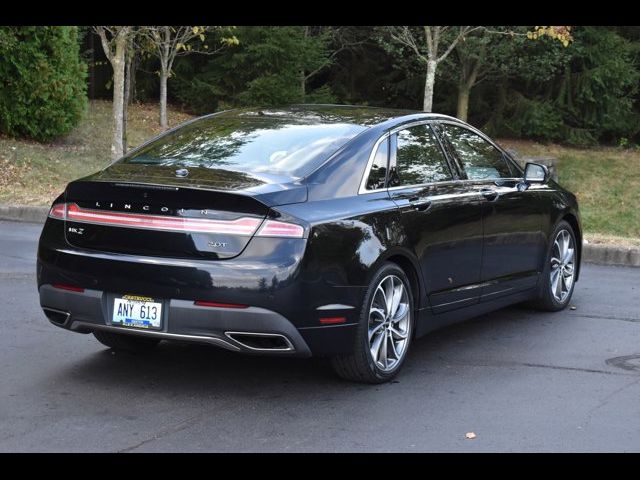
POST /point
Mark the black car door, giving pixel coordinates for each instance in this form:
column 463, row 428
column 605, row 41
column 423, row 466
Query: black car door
column 441, row 218
column 512, row 217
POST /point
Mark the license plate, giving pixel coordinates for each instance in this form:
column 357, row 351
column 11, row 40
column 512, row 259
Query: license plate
column 135, row 311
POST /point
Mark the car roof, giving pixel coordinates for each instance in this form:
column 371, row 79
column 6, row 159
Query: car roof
column 311, row 114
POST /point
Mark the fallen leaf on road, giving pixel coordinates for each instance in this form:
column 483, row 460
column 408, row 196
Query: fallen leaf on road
column 470, row 435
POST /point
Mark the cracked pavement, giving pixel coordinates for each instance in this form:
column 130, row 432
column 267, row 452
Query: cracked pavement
column 521, row 380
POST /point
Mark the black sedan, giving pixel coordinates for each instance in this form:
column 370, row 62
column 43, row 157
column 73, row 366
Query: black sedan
column 333, row 231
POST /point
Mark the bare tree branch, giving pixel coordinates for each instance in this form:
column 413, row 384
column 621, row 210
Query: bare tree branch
column 404, row 36
column 167, row 43
column 344, row 45
column 464, row 31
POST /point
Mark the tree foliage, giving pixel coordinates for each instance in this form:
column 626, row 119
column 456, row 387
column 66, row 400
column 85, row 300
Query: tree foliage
column 581, row 95
column 43, row 81
column 270, row 65
column 168, row 42
column 576, row 85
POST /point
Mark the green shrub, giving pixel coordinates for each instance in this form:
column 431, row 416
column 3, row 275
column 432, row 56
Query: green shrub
column 43, row 81
column 272, row 89
column 324, row 94
column 526, row 118
column 540, row 120
column 195, row 95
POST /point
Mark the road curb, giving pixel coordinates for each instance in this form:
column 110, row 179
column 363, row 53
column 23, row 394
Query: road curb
column 601, row 254
column 23, row 213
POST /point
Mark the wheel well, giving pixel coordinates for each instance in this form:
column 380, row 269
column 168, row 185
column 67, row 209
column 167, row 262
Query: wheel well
column 405, row 264
column 573, row 221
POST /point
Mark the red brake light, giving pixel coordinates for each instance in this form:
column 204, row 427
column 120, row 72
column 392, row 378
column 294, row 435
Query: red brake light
column 71, row 288
column 203, row 303
column 58, row 211
column 273, row 228
column 240, row 226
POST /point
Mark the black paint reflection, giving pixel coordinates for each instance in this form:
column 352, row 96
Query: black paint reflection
column 246, row 144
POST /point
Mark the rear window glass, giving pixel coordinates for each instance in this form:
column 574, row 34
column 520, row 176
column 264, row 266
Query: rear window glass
column 270, row 145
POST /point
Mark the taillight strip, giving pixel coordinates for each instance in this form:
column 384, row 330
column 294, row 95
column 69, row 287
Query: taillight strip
column 241, row 226
column 273, row 228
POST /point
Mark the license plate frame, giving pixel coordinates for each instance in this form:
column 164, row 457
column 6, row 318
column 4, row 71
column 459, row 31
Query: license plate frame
column 137, row 312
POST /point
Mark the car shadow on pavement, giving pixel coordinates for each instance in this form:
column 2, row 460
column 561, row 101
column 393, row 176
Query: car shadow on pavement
column 191, row 368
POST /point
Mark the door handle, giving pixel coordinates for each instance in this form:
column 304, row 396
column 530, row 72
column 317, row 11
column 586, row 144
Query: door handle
column 490, row 194
column 420, row 205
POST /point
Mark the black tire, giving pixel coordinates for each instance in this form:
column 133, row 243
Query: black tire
column 359, row 365
column 126, row 343
column 545, row 300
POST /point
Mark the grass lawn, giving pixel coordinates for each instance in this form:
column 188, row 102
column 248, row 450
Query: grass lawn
column 606, row 180
column 32, row 173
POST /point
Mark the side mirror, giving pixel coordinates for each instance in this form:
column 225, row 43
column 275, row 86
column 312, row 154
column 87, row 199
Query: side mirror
column 536, row 173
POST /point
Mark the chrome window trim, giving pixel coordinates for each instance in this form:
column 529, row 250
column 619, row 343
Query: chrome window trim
column 372, row 155
column 489, row 140
column 363, row 182
column 451, row 182
column 441, row 119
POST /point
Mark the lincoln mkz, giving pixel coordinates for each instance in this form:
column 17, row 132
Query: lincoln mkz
column 334, row 231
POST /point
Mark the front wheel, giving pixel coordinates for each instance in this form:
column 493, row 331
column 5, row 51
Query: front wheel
column 558, row 275
column 384, row 331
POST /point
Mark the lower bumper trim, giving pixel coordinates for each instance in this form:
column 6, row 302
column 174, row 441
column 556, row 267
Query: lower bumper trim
column 216, row 341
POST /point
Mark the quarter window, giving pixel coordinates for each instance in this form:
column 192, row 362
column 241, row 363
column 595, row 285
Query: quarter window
column 419, row 158
column 378, row 172
column 479, row 158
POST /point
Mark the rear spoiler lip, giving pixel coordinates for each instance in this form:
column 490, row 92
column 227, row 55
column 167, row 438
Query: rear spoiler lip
column 271, row 196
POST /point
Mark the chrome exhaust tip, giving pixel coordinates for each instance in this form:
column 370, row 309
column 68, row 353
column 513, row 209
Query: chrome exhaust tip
column 57, row 317
column 262, row 342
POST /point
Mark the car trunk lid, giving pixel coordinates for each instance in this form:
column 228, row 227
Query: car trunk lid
column 160, row 219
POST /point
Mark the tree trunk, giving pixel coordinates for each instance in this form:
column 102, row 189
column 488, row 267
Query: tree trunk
column 303, row 77
column 463, row 101
column 163, row 99
column 125, row 100
column 118, row 63
column 428, row 85
column 469, row 70
column 92, row 68
column 133, row 96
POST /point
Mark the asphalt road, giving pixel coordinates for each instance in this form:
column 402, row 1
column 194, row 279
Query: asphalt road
column 519, row 379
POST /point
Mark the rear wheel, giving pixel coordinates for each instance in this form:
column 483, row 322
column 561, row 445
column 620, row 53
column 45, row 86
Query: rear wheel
column 558, row 275
column 127, row 343
column 384, row 331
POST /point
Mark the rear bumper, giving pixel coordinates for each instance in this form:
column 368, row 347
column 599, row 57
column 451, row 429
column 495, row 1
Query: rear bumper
column 231, row 329
column 285, row 296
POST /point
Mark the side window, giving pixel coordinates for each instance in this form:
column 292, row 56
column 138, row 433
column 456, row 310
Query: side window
column 378, row 172
column 419, row 158
column 479, row 158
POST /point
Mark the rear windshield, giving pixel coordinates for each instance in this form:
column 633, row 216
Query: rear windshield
column 270, row 145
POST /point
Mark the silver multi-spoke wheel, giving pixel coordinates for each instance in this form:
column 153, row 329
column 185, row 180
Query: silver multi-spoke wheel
column 389, row 323
column 562, row 266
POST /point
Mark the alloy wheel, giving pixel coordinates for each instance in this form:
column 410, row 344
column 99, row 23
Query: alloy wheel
column 562, row 266
column 389, row 323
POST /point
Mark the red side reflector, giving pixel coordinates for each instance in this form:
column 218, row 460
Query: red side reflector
column 71, row 288
column 202, row 303
column 332, row 320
